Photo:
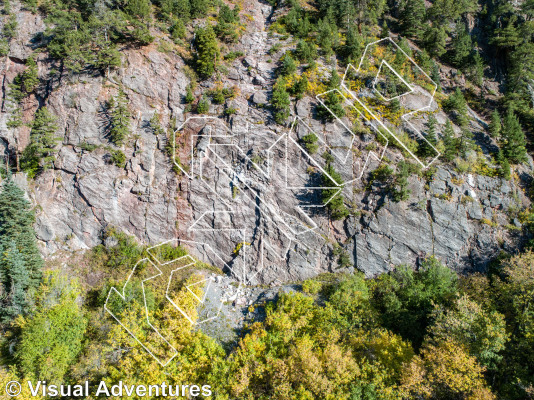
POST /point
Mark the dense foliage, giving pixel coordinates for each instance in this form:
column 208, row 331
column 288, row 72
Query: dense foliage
column 20, row 261
column 425, row 333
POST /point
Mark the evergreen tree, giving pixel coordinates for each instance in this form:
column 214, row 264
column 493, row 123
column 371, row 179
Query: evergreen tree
column 155, row 125
column 120, row 118
column 306, row 52
column 384, row 33
column 16, row 225
column 436, row 40
column 456, row 102
column 399, row 188
column 425, row 148
column 477, row 68
column 334, row 202
column 178, row 30
column 280, row 101
column 507, row 36
column 495, row 125
column 203, row 105
column 435, row 76
column 513, row 137
column 466, row 141
column 332, row 100
column 288, row 65
column 208, row 54
column 40, row 153
column 424, row 61
column 14, row 281
column 462, row 47
column 353, row 44
column 139, row 8
column 199, row 8
column 449, row 143
column 412, row 17
column 227, row 21
column 300, row 87
column 447, row 11
column 325, row 37
column 30, row 77
column 506, row 172
column 189, row 98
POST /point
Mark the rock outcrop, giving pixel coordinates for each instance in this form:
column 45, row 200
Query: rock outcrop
column 464, row 220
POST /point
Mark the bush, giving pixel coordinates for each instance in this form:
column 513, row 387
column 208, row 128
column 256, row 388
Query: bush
column 189, row 98
column 218, row 96
column 52, row 339
column 118, row 158
column 231, row 56
column 203, row 106
column 310, row 143
column 334, row 202
column 311, row 286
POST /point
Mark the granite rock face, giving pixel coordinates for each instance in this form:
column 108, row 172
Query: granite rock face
column 461, row 219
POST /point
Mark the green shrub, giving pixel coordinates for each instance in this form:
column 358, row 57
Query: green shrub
column 311, row 286
column 231, row 56
column 189, row 98
column 118, row 158
column 203, row 106
column 334, row 202
column 310, row 143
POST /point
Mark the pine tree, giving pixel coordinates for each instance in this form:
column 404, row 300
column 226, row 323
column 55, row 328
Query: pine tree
column 208, row 54
column 412, row 17
column 506, row 172
column 399, row 188
column 384, row 33
column 425, row 148
column 306, row 51
column 280, row 101
column 435, row 76
column 325, row 37
column 513, row 137
column 120, row 118
column 199, row 8
column 334, row 202
column 353, row 44
column 14, row 281
column 462, row 47
column 30, row 77
column 457, row 102
column 334, row 81
column 16, row 225
column 300, row 87
column 189, row 98
column 449, row 143
column 332, row 100
column 495, row 125
column 40, row 153
column 466, row 142
column 155, row 125
column 436, row 40
column 477, row 68
column 139, row 8
column 288, row 65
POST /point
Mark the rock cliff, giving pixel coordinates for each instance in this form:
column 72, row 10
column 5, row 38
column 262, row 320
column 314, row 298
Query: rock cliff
column 463, row 219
